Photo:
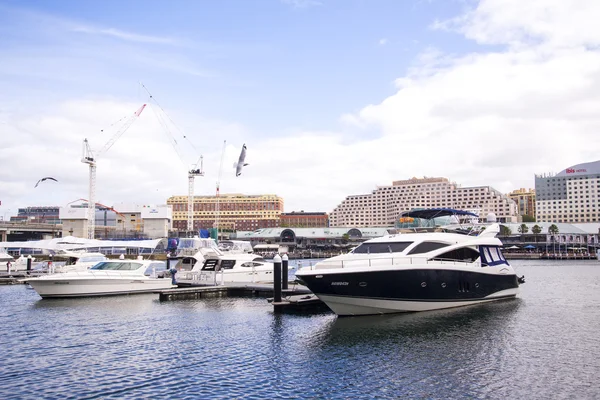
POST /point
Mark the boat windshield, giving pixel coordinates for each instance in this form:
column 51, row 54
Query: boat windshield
column 388, row 247
column 115, row 265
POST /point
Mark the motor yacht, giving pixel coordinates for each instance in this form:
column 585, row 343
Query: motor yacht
column 111, row 277
column 227, row 268
column 415, row 270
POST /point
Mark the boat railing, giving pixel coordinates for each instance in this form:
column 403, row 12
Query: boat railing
column 218, row 277
column 386, row 261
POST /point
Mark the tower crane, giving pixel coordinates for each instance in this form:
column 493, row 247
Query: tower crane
column 192, row 173
column 163, row 119
column 89, row 158
column 218, row 215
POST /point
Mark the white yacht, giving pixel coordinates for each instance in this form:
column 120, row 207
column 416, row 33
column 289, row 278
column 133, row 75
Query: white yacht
column 432, row 269
column 227, row 268
column 110, row 277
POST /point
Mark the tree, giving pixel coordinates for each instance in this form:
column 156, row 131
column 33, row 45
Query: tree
column 505, row 230
column 553, row 229
column 528, row 218
column 523, row 228
column 536, row 230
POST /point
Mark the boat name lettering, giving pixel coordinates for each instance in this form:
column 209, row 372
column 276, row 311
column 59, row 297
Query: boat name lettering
column 339, row 283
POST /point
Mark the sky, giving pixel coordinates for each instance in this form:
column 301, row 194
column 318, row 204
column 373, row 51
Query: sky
column 331, row 97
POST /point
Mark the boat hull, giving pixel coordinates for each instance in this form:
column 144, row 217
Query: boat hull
column 192, row 278
column 57, row 288
column 408, row 290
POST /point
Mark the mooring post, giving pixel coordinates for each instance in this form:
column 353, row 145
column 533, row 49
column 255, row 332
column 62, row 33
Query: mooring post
column 284, row 272
column 29, row 264
column 277, row 279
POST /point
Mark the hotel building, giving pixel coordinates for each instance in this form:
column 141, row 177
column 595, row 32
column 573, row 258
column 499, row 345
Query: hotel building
column 525, row 200
column 383, row 205
column 571, row 196
column 235, row 211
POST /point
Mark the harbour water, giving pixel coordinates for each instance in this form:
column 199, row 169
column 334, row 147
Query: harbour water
column 543, row 345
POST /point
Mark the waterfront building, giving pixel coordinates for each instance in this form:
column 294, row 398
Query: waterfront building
column 234, row 211
column 303, row 219
column 383, row 206
column 571, row 196
column 124, row 220
column 38, row 214
column 525, row 200
column 300, row 239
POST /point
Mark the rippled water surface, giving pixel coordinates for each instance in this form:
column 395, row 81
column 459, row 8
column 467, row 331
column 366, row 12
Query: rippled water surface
column 544, row 345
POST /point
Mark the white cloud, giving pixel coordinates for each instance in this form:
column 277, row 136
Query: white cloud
column 515, row 22
column 128, row 36
column 383, row 41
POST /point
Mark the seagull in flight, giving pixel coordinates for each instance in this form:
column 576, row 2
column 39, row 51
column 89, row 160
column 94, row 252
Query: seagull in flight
column 240, row 163
column 43, row 179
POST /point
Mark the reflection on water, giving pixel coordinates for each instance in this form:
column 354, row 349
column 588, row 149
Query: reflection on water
column 542, row 345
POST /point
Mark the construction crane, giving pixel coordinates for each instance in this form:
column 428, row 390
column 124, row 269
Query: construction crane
column 89, row 158
column 192, row 174
column 218, row 215
column 164, row 119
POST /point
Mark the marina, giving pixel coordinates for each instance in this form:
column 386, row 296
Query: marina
column 139, row 346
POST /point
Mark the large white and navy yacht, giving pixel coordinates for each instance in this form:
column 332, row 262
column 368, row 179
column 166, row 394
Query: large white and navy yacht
column 416, row 270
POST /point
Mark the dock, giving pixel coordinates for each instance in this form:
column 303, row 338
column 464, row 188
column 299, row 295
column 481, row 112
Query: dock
column 14, row 278
column 295, row 299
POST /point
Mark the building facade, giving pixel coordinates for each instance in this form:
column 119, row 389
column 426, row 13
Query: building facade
column 383, row 205
column 304, row 220
column 233, row 211
column 571, row 196
column 124, row 220
column 38, row 214
column 525, row 200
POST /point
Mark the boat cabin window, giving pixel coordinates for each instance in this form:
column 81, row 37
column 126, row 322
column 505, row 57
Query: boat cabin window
column 491, row 256
column 426, row 247
column 388, row 247
column 210, row 264
column 251, row 264
column 463, row 254
column 121, row 266
column 227, row 264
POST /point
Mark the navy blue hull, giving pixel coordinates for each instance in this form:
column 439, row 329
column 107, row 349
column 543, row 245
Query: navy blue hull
column 415, row 285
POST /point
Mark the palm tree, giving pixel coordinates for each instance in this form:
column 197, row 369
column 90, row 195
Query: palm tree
column 505, row 230
column 523, row 228
column 553, row 230
column 536, row 230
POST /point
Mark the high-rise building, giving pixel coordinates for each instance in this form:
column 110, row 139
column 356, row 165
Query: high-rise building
column 383, row 205
column 303, row 219
column 235, row 211
column 571, row 196
column 525, row 200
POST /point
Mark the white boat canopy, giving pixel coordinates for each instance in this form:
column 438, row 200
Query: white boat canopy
column 75, row 243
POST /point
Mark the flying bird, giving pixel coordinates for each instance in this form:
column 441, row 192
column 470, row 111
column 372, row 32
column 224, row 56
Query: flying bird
column 240, row 162
column 43, row 179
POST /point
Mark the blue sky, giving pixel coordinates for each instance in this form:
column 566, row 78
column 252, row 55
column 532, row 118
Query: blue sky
column 268, row 64
column 332, row 97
